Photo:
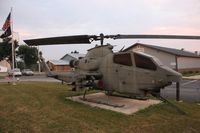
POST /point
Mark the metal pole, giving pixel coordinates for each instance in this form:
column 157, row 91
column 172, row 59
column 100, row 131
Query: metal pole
column 13, row 47
column 39, row 67
column 177, row 91
column 15, row 59
column 177, row 84
column 16, row 34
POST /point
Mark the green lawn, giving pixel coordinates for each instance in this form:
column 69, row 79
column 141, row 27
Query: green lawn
column 34, row 107
column 188, row 74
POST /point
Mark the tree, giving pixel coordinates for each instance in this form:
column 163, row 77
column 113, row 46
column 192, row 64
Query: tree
column 6, row 49
column 28, row 55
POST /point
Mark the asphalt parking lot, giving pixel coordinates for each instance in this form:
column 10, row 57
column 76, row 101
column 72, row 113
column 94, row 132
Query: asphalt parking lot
column 189, row 89
column 42, row 78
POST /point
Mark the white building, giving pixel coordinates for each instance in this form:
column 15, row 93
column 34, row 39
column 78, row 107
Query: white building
column 176, row 59
column 4, row 66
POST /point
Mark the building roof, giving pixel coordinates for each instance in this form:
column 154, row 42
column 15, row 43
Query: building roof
column 59, row 62
column 173, row 51
column 74, row 55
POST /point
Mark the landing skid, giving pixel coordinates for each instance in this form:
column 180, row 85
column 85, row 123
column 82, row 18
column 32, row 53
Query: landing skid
column 100, row 102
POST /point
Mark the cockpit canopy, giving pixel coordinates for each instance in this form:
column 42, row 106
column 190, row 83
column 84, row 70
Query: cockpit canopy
column 141, row 60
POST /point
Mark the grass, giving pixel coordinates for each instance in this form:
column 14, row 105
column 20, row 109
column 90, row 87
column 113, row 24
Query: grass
column 191, row 73
column 3, row 75
column 39, row 107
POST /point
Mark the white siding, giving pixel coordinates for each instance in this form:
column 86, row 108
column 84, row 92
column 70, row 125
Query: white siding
column 4, row 66
column 3, row 69
column 188, row 62
column 167, row 59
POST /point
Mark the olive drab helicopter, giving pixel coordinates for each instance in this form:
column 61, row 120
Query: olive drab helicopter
column 131, row 73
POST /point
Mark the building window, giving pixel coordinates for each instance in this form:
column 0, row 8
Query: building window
column 144, row 62
column 123, row 59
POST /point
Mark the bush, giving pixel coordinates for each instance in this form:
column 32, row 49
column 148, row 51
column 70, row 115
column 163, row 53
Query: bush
column 190, row 72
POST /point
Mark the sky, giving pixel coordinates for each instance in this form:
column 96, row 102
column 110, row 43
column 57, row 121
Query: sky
column 50, row 18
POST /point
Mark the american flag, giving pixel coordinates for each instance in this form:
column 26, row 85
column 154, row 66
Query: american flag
column 6, row 33
column 7, row 23
column 6, row 27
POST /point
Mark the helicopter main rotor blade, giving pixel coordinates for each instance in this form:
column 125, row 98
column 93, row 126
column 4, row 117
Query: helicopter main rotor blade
column 87, row 39
column 119, row 36
column 78, row 39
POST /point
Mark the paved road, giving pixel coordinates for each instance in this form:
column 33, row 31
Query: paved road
column 32, row 78
column 189, row 91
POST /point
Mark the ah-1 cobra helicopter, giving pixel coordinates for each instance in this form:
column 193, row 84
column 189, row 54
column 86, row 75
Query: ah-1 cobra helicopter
column 131, row 73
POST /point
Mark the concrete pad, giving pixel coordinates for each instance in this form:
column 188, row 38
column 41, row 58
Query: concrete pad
column 124, row 105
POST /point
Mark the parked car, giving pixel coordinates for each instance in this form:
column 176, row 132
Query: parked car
column 15, row 72
column 27, row 72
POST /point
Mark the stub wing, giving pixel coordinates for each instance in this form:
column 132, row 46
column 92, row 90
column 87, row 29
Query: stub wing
column 76, row 76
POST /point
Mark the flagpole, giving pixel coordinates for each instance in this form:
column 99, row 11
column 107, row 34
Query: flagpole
column 13, row 47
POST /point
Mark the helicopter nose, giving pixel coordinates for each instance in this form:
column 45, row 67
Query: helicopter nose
column 173, row 76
